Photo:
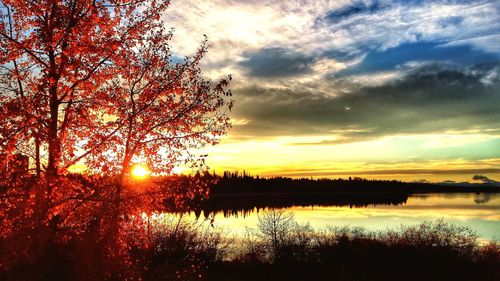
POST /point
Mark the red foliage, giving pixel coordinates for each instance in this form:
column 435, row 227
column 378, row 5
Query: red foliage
column 94, row 81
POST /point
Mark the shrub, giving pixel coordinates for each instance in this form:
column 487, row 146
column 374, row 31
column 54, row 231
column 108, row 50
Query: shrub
column 177, row 248
column 282, row 238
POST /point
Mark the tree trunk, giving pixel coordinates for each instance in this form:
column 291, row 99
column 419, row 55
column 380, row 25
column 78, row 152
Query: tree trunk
column 53, row 140
column 125, row 168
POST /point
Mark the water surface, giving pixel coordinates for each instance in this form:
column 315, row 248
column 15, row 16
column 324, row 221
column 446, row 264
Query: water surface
column 480, row 212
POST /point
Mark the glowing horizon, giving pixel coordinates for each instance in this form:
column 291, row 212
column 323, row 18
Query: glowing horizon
column 280, row 158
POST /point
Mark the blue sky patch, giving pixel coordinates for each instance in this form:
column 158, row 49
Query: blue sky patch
column 393, row 58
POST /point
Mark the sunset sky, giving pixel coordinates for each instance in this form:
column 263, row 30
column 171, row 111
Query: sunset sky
column 379, row 89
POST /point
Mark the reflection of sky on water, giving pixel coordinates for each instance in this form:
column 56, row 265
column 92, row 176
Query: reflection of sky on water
column 481, row 212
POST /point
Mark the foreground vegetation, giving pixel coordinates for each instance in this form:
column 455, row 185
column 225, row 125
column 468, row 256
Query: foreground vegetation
column 163, row 247
column 282, row 249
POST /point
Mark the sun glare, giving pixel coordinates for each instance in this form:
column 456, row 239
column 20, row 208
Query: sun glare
column 176, row 170
column 140, row 171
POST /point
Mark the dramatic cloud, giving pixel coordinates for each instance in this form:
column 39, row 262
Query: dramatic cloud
column 430, row 98
column 247, row 36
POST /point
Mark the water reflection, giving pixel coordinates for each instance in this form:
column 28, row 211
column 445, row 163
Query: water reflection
column 245, row 205
column 482, row 198
column 481, row 212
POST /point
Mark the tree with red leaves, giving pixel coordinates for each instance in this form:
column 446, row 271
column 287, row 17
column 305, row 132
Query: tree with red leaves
column 162, row 109
column 80, row 77
column 95, row 81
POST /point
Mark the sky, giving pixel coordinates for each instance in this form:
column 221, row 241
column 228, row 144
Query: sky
column 397, row 89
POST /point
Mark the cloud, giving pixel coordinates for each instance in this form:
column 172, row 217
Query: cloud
column 488, row 43
column 431, row 98
column 243, row 34
column 277, row 62
column 413, row 30
column 282, row 63
column 451, row 21
column 321, row 82
column 401, row 67
column 355, row 9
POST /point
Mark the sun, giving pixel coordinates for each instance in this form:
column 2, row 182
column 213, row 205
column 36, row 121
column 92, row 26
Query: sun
column 140, row 171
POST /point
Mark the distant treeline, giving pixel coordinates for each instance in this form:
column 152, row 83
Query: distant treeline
column 236, row 182
column 240, row 193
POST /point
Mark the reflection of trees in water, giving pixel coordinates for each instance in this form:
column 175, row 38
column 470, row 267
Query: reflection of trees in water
column 478, row 197
column 481, row 198
column 240, row 194
column 244, row 205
